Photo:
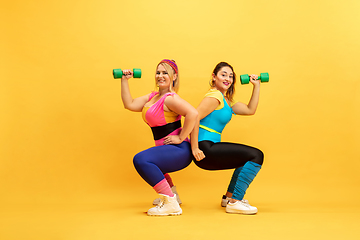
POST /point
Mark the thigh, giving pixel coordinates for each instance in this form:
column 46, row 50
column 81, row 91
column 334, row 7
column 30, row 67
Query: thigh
column 169, row 158
column 224, row 155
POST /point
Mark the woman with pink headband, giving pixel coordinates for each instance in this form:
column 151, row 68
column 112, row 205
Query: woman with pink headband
column 162, row 111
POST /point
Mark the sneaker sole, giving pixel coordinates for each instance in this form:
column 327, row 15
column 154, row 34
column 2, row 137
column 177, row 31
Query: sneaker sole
column 166, row 214
column 241, row 211
column 179, row 204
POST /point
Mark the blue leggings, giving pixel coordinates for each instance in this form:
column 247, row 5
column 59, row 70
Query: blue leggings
column 154, row 162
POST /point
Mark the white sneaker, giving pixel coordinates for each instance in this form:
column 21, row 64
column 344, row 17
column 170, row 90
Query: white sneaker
column 173, row 189
column 225, row 200
column 168, row 206
column 240, row 207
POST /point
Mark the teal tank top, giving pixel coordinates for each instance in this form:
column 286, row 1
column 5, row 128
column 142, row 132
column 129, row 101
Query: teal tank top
column 213, row 124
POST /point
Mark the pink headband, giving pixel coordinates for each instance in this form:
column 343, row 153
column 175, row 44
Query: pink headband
column 171, row 63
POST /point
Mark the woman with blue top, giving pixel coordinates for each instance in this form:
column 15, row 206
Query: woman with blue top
column 215, row 111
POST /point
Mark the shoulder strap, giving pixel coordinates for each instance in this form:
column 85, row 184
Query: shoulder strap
column 162, row 99
column 152, row 94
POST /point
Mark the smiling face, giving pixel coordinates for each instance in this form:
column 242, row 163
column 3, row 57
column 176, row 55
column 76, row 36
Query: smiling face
column 223, row 79
column 166, row 78
column 162, row 77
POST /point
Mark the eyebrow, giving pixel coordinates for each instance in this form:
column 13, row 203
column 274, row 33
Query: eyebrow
column 226, row 72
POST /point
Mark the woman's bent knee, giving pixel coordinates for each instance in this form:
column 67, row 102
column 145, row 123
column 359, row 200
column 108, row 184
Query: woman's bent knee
column 138, row 160
column 258, row 157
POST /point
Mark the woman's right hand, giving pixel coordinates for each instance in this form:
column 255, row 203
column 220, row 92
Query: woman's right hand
column 198, row 154
column 254, row 79
column 127, row 74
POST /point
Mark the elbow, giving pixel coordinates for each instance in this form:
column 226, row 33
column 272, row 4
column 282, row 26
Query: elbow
column 247, row 113
column 194, row 114
column 126, row 107
column 251, row 111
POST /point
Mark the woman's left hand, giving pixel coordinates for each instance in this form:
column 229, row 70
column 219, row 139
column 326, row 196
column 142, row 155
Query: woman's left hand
column 172, row 139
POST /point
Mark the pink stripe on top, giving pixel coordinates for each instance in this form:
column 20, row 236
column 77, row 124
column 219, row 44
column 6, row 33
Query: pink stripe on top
column 155, row 116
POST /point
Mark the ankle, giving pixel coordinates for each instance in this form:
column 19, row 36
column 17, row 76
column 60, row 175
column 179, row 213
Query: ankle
column 233, row 200
column 228, row 194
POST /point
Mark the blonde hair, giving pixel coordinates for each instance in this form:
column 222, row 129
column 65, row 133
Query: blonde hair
column 176, row 83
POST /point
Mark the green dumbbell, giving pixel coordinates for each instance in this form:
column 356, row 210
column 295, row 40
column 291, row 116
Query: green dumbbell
column 245, row 79
column 118, row 73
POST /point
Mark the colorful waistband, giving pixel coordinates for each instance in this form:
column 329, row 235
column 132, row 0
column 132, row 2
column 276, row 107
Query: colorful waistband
column 209, row 129
column 162, row 131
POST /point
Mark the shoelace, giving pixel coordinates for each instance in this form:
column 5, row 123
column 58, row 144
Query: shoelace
column 160, row 204
column 245, row 203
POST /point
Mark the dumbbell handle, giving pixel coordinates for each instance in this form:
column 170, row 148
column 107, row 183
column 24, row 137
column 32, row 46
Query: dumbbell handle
column 118, row 73
column 263, row 77
column 259, row 76
column 126, row 74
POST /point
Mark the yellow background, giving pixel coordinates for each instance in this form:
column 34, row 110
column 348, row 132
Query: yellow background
column 67, row 140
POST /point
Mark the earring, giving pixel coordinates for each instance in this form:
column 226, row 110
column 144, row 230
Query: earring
column 211, row 83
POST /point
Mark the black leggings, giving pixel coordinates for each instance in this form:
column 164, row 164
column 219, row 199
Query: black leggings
column 224, row 155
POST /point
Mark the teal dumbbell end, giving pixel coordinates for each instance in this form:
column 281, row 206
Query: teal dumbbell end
column 118, row 73
column 245, row 79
